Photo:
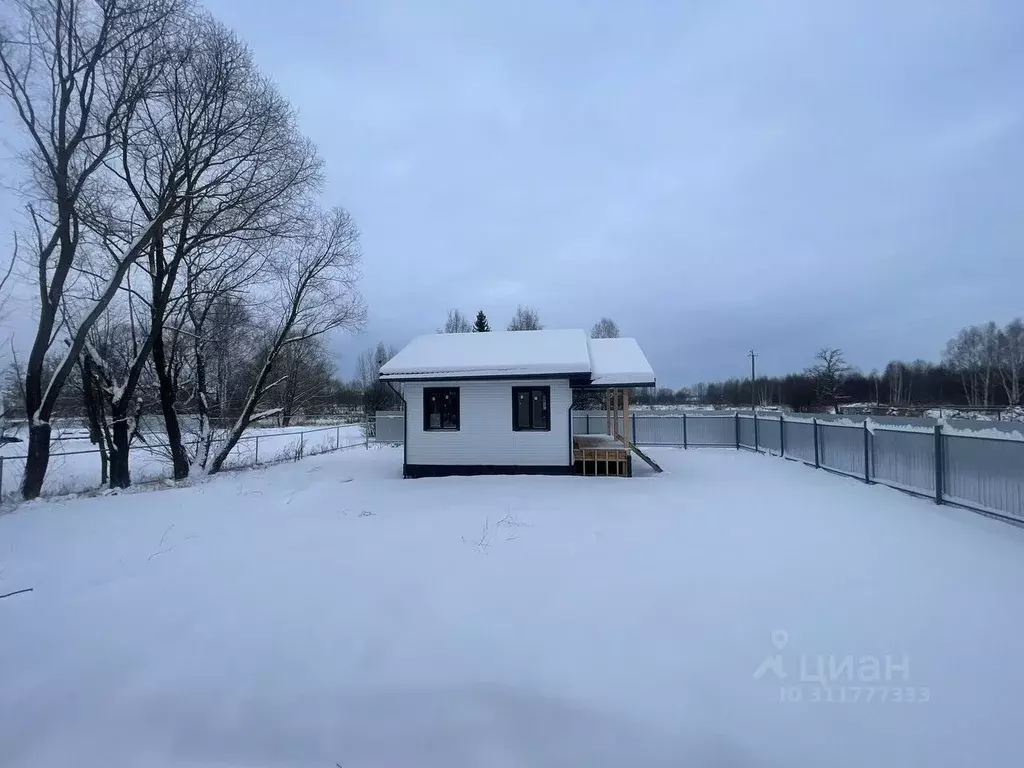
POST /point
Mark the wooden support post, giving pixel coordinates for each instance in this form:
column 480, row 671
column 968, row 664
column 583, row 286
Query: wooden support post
column 627, row 433
column 608, row 409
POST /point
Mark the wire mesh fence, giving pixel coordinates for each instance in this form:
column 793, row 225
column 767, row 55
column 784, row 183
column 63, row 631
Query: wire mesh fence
column 74, row 469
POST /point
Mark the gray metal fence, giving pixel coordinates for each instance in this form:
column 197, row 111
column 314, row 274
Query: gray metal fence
column 390, row 427
column 974, row 464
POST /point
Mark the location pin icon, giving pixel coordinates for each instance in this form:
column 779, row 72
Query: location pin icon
column 779, row 638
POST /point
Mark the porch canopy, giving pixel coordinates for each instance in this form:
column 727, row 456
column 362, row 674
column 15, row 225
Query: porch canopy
column 618, row 363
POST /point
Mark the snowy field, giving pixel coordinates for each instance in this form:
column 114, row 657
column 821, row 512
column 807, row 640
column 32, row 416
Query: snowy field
column 75, row 464
column 327, row 612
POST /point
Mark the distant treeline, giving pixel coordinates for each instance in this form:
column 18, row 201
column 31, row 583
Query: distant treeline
column 982, row 367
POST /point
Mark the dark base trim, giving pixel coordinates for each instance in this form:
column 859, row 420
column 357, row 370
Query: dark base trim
column 445, row 470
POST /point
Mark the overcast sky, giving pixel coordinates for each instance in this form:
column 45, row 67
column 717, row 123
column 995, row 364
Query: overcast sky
column 713, row 175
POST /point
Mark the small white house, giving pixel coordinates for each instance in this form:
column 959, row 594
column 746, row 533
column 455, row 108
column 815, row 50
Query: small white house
column 501, row 402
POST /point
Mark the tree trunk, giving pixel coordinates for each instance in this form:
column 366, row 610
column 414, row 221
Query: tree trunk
column 93, row 411
column 38, row 458
column 251, row 402
column 179, row 457
column 120, row 471
column 37, row 461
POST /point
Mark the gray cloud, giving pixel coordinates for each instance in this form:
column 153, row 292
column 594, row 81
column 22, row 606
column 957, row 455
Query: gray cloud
column 713, row 175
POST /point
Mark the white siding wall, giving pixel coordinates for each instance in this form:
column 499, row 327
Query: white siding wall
column 485, row 433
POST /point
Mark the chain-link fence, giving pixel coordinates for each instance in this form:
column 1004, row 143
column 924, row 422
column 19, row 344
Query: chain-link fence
column 75, row 465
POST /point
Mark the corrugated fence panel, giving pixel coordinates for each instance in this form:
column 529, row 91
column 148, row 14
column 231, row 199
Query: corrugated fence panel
column 904, row 459
column 711, row 430
column 589, row 423
column 389, row 427
column 800, row 440
column 841, row 448
column 986, row 473
column 747, row 431
column 981, row 472
column 657, row 430
column 768, row 434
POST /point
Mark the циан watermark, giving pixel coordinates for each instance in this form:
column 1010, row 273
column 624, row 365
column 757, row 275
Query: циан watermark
column 849, row 679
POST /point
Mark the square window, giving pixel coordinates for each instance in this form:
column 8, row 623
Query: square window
column 531, row 409
column 440, row 408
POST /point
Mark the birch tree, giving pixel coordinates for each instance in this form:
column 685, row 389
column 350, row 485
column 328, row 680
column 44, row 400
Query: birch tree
column 1011, row 360
column 525, row 319
column 75, row 74
column 456, row 323
column 974, row 353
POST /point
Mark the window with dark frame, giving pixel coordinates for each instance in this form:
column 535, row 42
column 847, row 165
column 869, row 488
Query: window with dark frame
column 440, row 408
column 531, row 409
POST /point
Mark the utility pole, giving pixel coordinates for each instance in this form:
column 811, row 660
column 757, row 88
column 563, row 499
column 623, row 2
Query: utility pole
column 753, row 393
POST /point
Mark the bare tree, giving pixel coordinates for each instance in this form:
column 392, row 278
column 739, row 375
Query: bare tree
column 974, row 354
column 318, row 277
column 219, row 144
column 456, row 323
column 899, row 388
column 376, row 394
column 76, row 73
column 1011, row 360
column 525, row 319
column 829, row 373
column 5, row 279
column 307, row 374
column 605, row 328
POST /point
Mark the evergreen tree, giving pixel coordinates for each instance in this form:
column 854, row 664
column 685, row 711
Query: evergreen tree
column 480, row 326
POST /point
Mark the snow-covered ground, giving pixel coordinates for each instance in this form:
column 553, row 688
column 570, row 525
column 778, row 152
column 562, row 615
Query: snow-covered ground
column 327, row 612
column 75, row 464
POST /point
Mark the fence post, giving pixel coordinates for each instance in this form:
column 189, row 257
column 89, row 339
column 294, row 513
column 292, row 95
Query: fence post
column 337, row 438
column 757, row 448
column 257, row 449
column 588, row 422
column 302, row 445
column 737, row 430
column 782, row 435
column 366, row 434
column 817, row 461
column 1, row 478
column 938, row 464
column 867, row 453
column 632, row 426
column 684, row 430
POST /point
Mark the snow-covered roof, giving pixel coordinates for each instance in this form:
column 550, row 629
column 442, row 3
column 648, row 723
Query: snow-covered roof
column 498, row 354
column 618, row 362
